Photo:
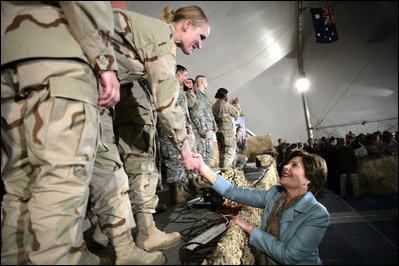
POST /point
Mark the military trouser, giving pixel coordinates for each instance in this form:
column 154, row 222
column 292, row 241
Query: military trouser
column 135, row 122
column 175, row 171
column 48, row 144
column 227, row 149
column 343, row 184
column 205, row 146
column 109, row 184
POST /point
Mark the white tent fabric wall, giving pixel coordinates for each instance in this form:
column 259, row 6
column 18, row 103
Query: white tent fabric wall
column 251, row 51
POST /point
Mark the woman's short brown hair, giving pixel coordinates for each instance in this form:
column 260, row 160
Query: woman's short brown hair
column 315, row 169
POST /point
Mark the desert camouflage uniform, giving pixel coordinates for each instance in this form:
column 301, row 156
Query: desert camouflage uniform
column 225, row 115
column 146, row 56
column 175, row 171
column 109, row 184
column 49, row 124
column 203, row 122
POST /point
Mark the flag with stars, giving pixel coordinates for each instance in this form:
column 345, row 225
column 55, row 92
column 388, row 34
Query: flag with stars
column 324, row 24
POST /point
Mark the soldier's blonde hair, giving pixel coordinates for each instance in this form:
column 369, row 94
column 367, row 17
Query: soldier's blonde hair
column 194, row 13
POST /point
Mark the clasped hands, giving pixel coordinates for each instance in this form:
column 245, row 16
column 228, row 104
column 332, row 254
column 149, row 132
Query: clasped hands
column 193, row 162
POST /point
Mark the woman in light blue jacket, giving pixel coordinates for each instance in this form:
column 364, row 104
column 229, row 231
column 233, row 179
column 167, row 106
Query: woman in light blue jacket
column 293, row 222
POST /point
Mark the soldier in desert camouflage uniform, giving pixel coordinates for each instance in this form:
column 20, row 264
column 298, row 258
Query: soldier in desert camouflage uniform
column 175, row 172
column 225, row 114
column 49, row 130
column 146, row 56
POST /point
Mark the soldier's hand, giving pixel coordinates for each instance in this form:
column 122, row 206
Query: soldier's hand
column 110, row 85
column 188, row 161
column 203, row 135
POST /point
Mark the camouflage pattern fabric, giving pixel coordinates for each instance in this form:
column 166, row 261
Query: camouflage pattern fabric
column 203, row 122
column 225, row 115
column 109, row 183
column 175, row 171
column 48, row 149
column 135, row 122
column 49, row 124
column 52, row 29
column 191, row 98
column 146, row 57
column 145, row 51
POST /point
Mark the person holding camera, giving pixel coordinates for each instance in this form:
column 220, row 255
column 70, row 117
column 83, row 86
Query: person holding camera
column 225, row 114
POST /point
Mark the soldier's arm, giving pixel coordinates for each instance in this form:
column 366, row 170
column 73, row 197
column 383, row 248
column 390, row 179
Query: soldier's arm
column 196, row 120
column 234, row 110
column 210, row 119
column 159, row 62
column 191, row 98
column 92, row 25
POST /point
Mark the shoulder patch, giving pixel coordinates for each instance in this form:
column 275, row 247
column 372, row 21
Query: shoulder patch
column 173, row 50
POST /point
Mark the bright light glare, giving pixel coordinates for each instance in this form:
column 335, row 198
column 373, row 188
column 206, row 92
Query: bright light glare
column 302, row 84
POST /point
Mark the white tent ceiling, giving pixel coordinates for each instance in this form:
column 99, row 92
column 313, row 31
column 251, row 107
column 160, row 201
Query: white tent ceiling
column 251, row 51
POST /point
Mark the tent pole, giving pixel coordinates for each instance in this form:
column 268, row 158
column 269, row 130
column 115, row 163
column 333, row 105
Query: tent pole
column 301, row 72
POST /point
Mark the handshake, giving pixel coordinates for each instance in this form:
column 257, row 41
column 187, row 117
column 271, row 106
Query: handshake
column 191, row 161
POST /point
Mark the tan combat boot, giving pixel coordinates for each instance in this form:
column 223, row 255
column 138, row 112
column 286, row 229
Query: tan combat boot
column 176, row 193
column 89, row 258
column 151, row 238
column 127, row 253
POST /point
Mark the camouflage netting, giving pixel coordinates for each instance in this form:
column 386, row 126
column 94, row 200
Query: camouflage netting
column 257, row 145
column 233, row 247
column 378, row 175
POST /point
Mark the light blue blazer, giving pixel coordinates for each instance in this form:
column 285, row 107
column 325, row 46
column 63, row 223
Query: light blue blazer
column 302, row 226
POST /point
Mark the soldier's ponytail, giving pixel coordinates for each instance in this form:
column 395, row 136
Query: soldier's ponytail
column 168, row 15
column 194, row 13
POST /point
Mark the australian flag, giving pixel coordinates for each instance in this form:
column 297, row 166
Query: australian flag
column 324, row 24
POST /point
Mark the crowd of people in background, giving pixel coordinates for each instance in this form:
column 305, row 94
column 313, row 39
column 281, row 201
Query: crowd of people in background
column 341, row 155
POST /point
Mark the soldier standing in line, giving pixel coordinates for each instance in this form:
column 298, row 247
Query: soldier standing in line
column 146, row 55
column 175, row 172
column 53, row 56
column 225, row 114
column 203, row 120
